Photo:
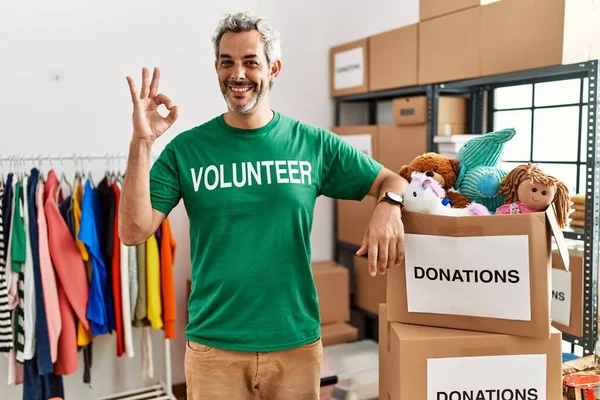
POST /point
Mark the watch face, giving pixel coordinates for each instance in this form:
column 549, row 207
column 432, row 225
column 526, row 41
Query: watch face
column 395, row 197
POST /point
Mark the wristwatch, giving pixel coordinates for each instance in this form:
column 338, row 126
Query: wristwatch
column 393, row 198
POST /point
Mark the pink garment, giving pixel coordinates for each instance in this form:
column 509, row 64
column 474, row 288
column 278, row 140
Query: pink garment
column 65, row 255
column 515, row 208
column 67, row 344
column 72, row 284
column 48, row 279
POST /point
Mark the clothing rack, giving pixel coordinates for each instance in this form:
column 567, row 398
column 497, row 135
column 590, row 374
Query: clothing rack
column 161, row 390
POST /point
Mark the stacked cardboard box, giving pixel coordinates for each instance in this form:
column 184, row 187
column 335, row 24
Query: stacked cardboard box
column 332, row 282
column 468, row 314
column 394, row 145
column 462, row 39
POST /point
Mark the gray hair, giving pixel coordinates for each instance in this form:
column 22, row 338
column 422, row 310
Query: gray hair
column 247, row 21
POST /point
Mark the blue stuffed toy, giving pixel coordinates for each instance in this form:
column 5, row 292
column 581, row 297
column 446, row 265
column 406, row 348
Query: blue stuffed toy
column 479, row 176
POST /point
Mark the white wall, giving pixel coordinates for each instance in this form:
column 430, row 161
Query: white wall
column 96, row 44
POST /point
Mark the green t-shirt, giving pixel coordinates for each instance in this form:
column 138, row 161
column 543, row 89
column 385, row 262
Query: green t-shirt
column 250, row 196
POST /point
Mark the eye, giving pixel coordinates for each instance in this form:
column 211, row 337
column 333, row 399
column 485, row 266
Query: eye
column 435, row 169
column 414, row 194
column 534, row 190
column 543, row 192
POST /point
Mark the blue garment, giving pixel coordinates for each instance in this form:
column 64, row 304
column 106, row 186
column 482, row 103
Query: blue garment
column 88, row 234
column 106, row 201
column 40, row 387
column 42, row 341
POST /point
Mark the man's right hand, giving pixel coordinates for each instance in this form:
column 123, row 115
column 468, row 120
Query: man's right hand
column 148, row 124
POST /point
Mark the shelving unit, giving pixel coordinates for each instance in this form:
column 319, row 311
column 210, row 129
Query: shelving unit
column 481, row 94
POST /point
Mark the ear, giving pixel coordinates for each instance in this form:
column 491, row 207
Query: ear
column 455, row 166
column 405, row 172
column 426, row 183
column 275, row 70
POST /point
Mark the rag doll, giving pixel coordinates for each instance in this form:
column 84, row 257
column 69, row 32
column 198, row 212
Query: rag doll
column 424, row 194
column 527, row 189
column 443, row 170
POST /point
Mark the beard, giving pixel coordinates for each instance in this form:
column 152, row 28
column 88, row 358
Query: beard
column 241, row 108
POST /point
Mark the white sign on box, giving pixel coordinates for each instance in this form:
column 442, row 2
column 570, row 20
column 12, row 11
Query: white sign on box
column 480, row 276
column 487, row 377
column 561, row 297
column 363, row 142
column 349, row 69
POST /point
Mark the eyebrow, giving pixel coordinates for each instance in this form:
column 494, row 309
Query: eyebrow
column 224, row 55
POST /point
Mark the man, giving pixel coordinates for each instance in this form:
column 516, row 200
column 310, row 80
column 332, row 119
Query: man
column 249, row 180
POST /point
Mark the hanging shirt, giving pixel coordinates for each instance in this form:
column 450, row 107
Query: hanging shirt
column 124, row 274
column 5, row 320
column 42, row 341
column 65, row 255
column 12, row 278
column 153, row 271
column 141, row 308
column 84, row 336
column 28, row 280
column 88, row 234
column 53, row 317
column 17, row 262
column 116, row 275
column 106, row 197
column 133, row 281
column 167, row 255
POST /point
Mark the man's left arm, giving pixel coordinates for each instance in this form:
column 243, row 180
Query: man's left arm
column 384, row 238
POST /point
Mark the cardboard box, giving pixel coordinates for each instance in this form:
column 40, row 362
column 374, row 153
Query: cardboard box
column 369, row 291
column 523, row 34
column 413, row 111
column 333, row 289
column 481, row 273
column 399, row 145
column 337, row 333
column 567, row 295
column 393, row 58
column 449, row 47
column 384, row 352
column 354, row 216
column 349, row 68
column 428, row 363
column 429, row 9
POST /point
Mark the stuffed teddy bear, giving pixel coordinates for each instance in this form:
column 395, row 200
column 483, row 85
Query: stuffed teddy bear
column 479, row 176
column 424, row 194
column 527, row 189
column 443, row 170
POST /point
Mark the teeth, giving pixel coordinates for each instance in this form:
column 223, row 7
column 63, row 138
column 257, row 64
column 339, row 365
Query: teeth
column 239, row 89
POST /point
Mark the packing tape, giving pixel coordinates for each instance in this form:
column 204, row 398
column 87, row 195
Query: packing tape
column 464, row 230
column 482, row 351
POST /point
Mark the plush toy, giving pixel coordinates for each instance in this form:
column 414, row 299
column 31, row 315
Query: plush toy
column 424, row 194
column 527, row 189
column 443, row 170
column 479, row 176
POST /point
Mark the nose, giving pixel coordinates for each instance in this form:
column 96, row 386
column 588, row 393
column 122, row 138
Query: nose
column 429, row 174
column 238, row 73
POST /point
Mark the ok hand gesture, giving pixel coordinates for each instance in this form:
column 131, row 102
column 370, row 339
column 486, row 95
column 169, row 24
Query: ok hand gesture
column 148, row 124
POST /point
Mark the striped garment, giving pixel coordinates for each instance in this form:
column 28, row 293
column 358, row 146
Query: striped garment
column 19, row 322
column 5, row 317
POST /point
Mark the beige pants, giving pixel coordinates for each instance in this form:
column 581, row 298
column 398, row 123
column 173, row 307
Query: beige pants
column 212, row 373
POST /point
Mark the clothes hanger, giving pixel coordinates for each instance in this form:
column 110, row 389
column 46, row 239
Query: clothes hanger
column 63, row 177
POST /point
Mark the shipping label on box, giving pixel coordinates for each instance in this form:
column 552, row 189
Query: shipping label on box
column 487, row 377
column 483, row 276
column 363, row 142
column 349, row 69
column 561, row 297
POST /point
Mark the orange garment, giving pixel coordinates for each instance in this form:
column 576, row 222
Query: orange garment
column 116, row 277
column 167, row 256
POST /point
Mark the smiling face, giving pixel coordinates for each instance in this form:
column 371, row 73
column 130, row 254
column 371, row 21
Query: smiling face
column 244, row 72
column 535, row 195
